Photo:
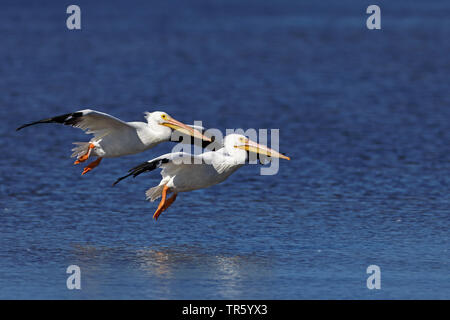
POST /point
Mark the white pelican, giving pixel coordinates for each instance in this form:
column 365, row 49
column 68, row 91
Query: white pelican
column 114, row 137
column 186, row 172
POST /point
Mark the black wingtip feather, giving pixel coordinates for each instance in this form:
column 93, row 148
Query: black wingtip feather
column 120, row 179
column 68, row 119
column 26, row 125
column 143, row 167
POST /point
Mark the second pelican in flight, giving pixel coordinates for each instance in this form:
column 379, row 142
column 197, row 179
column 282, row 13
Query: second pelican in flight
column 186, row 172
column 114, row 137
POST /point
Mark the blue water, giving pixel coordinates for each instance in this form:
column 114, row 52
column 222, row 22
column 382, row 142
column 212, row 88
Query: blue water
column 363, row 114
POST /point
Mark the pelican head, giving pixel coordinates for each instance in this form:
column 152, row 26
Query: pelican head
column 163, row 119
column 238, row 141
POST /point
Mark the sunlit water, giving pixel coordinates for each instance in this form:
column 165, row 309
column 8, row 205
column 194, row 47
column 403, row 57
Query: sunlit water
column 363, row 114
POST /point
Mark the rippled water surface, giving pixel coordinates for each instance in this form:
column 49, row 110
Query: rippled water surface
column 363, row 114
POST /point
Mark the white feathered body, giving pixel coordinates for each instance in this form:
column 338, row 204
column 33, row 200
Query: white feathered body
column 115, row 138
column 203, row 171
column 125, row 142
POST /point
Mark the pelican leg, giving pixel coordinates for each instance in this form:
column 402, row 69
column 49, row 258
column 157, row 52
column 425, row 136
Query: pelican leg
column 169, row 202
column 92, row 165
column 164, row 204
column 84, row 157
column 161, row 203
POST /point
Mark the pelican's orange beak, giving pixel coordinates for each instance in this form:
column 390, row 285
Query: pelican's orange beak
column 183, row 128
column 252, row 146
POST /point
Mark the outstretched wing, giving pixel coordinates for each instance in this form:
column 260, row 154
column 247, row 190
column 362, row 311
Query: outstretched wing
column 90, row 121
column 169, row 159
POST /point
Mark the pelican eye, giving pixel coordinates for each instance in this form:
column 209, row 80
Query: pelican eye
column 163, row 116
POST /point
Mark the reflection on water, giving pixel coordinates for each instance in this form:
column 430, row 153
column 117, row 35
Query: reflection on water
column 229, row 273
column 155, row 262
column 164, row 273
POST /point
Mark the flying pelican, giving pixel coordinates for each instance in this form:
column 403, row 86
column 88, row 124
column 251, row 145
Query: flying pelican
column 183, row 172
column 114, row 137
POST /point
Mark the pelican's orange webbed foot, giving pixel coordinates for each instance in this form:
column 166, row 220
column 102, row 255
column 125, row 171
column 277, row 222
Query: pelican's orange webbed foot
column 84, row 157
column 164, row 204
column 91, row 166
